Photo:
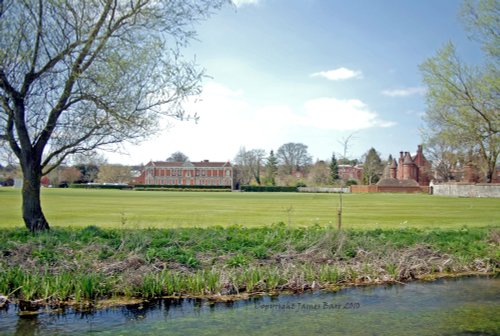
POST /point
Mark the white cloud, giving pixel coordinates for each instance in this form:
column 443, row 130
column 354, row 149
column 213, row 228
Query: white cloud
column 339, row 74
column 342, row 115
column 229, row 120
column 240, row 3
column 404, row 92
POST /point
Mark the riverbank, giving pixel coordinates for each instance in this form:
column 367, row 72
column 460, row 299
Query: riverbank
column 93, row 266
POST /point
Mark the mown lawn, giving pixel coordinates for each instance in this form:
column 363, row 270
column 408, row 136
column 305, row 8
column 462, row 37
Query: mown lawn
column 144, row 209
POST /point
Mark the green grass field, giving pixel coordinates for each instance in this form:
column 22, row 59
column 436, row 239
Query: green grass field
column 144, row 209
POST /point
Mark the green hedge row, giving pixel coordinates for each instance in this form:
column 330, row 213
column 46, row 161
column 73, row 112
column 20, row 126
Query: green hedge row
column 182, row 189
column 156, row 186
column 268, row 188
column 100, row 186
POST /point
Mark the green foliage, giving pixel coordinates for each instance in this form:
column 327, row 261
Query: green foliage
column 238, row 260
column 216, row 257
column 462, row 100
column 334, row 169
column 350, row 183
column 372, row 167
column 93, row 72
column 271, row 169
column 481, row 20
column 100, row 186
column 270, row 188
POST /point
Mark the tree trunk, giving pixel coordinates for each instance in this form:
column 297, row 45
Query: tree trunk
column 32, row 210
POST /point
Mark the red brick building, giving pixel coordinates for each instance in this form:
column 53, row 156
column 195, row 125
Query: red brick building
column 408, row 170
column 204, row 173
column 348, row 172
column 415, row 168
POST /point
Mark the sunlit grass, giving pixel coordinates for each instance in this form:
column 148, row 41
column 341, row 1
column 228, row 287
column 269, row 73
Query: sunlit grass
column 144, row 209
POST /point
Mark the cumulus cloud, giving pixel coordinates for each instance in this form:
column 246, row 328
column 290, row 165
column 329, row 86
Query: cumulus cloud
column 339, row 74
column 405, row 92
column 229, row 120
column 342, row 115
column 240, row 3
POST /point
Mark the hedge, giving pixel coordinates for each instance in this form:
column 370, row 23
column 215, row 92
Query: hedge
column 182, row 189
column 268, row 188
column 100, row 186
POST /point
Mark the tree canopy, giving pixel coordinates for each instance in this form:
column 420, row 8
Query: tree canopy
column 79, row 75
column 249, row 164
column 334, row 169
column 178, row 157
column 463, row 100
column 372, row 166
column 293, row 157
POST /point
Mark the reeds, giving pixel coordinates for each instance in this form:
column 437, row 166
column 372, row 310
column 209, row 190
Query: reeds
column 70, row 265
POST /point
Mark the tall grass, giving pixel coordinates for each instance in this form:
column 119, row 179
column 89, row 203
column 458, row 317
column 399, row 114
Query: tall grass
column 95, row 263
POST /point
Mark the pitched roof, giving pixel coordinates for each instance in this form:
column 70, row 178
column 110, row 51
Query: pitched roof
column 201, row 164
column 392, row 182
column 407, row 159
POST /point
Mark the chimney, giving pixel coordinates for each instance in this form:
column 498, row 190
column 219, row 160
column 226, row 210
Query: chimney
column 205, row 161
column 400, row 155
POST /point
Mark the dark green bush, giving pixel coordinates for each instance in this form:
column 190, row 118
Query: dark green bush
column 268, row 189
column 100, row 186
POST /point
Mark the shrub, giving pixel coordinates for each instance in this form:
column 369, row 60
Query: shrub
column 100, row 186
column 350, row 183
column 268, row 189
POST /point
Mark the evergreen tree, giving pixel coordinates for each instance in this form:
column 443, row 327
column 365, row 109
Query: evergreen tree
column 271, row 168
column 334, row 169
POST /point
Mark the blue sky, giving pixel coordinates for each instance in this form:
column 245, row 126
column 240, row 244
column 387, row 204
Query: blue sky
column 310, row 71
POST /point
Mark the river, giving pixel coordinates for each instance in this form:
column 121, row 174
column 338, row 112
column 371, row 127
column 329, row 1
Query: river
column 462, row 306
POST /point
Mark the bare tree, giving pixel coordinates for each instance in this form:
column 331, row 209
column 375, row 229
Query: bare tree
column 78, row 75
column 346, row 143
column 114, row 173
column 249, row 164
column 293, row 157
column 319, row 174
column 69, row 175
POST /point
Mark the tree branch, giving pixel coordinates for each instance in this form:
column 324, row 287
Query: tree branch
column 28, row 78
column 74, row 74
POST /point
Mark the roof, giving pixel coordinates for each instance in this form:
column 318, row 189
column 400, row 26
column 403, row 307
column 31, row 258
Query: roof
column 408, row 159
column 201, row 164
column 392, row 182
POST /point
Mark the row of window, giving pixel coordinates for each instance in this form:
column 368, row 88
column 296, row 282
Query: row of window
column 196, row 172
column 208, row 182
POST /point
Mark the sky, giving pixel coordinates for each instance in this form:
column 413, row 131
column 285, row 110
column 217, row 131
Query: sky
column 312, row 72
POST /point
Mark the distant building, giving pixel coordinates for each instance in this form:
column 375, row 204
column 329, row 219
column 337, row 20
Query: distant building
column 407, row 171
column 204, row 173
column 350, row 172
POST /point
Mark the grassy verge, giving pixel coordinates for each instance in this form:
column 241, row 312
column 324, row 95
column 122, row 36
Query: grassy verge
column 89, row 264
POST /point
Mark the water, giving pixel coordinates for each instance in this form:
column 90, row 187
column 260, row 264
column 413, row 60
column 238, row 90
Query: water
column 465, row 306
